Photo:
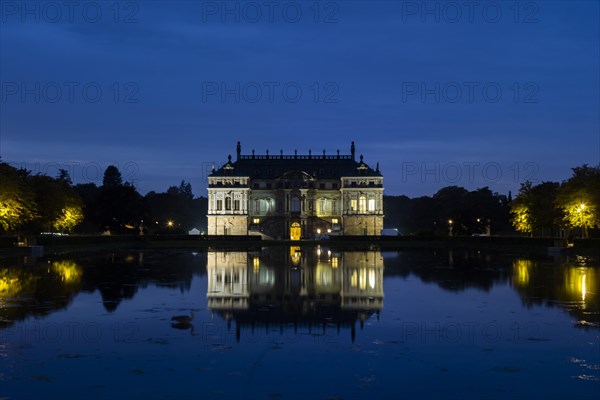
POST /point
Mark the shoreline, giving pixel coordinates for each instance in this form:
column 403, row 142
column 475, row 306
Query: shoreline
column 518, row 245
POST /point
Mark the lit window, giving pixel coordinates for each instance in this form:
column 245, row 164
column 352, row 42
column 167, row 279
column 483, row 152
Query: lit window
column 334, row 262
column 334, row 220
column 371, row 204
column 353, row 205
column 362, row 205
column 256, row 221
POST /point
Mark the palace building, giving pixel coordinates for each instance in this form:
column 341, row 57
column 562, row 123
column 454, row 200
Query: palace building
column 295, row 196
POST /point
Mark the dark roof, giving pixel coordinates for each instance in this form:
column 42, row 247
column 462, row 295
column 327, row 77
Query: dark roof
column 273, row 167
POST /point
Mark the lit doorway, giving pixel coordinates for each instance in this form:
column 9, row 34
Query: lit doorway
column 295, row 231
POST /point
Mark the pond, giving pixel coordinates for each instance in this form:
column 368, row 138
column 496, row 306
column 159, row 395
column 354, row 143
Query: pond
column 299, row 322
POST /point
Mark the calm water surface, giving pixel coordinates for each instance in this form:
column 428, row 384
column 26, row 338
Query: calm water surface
column 284, row 323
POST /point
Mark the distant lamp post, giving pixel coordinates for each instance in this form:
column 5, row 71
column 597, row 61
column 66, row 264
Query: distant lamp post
column 170, row 224
column 450, row 225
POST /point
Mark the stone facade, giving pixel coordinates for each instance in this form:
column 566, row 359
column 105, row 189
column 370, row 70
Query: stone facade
column 295, row 196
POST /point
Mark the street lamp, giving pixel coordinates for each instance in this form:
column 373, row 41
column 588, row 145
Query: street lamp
column 450, row 222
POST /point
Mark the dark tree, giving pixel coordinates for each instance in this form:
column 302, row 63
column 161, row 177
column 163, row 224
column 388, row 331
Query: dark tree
column 63, row 175
column 112, row 177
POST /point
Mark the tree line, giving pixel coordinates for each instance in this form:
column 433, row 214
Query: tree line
column 38, row 203
column 453, row 210
column 559, row 209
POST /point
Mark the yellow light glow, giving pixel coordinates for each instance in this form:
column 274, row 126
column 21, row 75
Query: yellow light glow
column 521, row 271
column 362, row 279
column 450, row 222
column 580, row 282
column 69, row 218
column 295, row 254
column 372, row 278
column 354, row 279
column 318, row 231
column 334, row 262
column 169, row 223
column 68, row 270
column 256, row 264
column 9, row 286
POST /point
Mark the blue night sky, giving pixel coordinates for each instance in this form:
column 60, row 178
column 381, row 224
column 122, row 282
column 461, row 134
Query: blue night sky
column 439, row 93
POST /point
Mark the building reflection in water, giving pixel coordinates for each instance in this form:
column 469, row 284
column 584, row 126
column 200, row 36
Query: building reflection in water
column 295, row 287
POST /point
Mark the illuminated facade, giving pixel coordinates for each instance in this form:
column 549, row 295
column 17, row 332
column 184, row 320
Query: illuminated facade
column 295, row 196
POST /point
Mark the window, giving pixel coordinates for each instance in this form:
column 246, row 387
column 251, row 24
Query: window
column 371, row 204
column 256, row 221
column 321, row 186
column 323, row 204
column 236, row 205
column 255, row 186
column 334, row 207
column 362, row 205
column 228, row 203
column 353, row 205
column 268, row 186
column 219, row 205
column 263, row 206
column 334, row 185
column 295, row 204
column 334, row 220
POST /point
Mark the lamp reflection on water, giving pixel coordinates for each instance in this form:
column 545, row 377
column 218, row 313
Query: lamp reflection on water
column 579, row 282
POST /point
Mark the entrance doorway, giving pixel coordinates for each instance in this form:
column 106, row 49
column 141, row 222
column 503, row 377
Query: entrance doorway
column 295, row 231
